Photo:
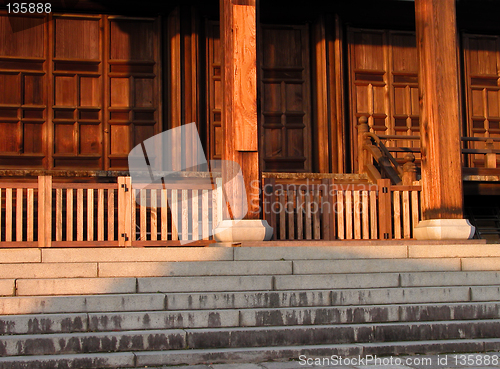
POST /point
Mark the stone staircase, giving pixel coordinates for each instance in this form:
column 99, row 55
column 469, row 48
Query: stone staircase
column 147, row 307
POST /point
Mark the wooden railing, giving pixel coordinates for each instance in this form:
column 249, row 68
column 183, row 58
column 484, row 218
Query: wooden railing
column 327, row 211
column 47, row 213
column 372, row 149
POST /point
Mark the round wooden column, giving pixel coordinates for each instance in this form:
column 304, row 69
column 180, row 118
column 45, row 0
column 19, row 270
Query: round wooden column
column 440, row 115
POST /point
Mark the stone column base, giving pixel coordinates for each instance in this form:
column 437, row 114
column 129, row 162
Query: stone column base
column 234, row 231
column 444, row 229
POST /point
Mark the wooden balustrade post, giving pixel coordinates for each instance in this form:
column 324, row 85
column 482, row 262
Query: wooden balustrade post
column 491, row 157
column 44, row 211
column 384, row 209
column 362, row 141
column 125, row 211
column 409, row 170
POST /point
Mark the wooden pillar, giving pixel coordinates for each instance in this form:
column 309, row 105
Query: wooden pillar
column 239, row 113
column 440, row 116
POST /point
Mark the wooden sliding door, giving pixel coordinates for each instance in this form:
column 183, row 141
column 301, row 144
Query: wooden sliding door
column 80, row 90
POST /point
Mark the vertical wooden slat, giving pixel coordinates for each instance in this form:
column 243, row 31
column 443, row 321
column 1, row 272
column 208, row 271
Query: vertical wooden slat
column 348, row 215
column 164, row 215
column 185, row 215
column 397, row 215
column 44, row 211
column 384, row 209
column 220, row 204
column 308, row 217
column 69, row 214
column 19, row 214
column 316, row 209
column 373, row 215
column 357, row 215
column 90, row 214
column 1, row 214
column 59, row 207
column 300, row 214
column 204, row 215
column 79, row 214
column 414, row 209
column 100, row 214
column 8, row 214
column 175, row 215
column 143, row 220
column 406, row 215
column 269, row 204
column 290, row 213
column 194, row 211
column 327, row 210
column 282, row 215
column 340, row 215
column 30, row 207
column 133, row 215
column 111, row 214
column 154, row 216
column 366, row 216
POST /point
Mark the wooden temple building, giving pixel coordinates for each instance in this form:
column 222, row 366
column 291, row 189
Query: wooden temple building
column 402, row 96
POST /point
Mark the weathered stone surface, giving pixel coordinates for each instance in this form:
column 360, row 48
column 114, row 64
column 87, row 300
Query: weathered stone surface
column 74, row 286
column 485, row 293
column 27, row 255
column 450, row 311
column 7, row 287
column 320, row 252
column 72, row 255
column 453, row 251
column 258, row 299
column 322, row 281
column 163, row 320
column 90, row 303
column 450, row 279
column 481, row 264
column 200, row 284
column 77, row 361
column 75, row 343
column 248, row 354
column 318, row 315
column 399, row 295
column 207, row 268
column 49, row 270
column 374, row 266
column 34, row 324
column 423, row 347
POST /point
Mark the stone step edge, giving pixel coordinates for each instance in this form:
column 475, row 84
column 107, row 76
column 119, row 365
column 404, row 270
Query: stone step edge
column 277, row 353
column 400, row 307
column 164, row 295
column 229, row 329
column 144, row 359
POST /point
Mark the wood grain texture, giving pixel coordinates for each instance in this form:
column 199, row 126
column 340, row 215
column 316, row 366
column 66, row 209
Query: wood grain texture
column 247, row 160
column 245, row 77
column 440, row 112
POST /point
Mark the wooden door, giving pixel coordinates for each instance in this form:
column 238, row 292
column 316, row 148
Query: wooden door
column 80, row 90
column 383, row 80
column 285, row 118
column 482, row 86
column 23, row 100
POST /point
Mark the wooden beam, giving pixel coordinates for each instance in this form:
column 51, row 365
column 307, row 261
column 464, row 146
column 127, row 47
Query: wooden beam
column 239, row 113
column 440, row 111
